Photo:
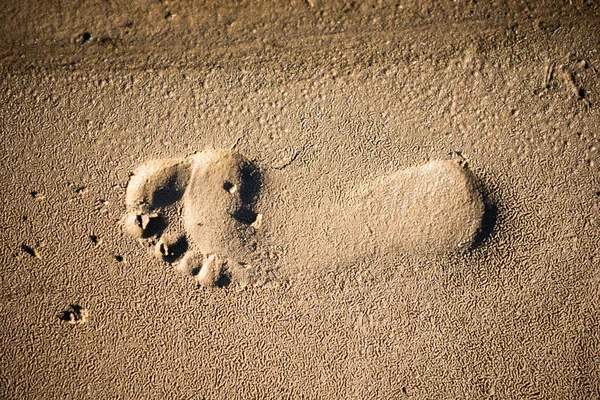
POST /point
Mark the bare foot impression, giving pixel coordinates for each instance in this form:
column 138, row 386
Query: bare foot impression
column 199, row 212
column 435, row 208
column 199, row 208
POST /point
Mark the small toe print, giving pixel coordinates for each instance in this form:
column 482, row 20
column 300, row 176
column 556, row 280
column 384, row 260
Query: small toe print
column 190, row 263
column 210, row 272
column 140, row 225
column 170, row 248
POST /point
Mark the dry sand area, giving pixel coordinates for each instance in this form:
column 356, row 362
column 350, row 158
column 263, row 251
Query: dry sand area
column 300, row 199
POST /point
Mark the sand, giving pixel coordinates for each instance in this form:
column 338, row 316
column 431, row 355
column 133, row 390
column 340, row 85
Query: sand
column 397, row 200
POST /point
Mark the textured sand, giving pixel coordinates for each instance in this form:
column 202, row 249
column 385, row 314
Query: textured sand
column 331, row 102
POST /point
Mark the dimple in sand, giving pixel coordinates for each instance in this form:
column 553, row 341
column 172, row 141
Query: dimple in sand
column 200, row 212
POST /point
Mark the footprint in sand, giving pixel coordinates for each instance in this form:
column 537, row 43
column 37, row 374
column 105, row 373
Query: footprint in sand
column 434, row 208
column 199, row 211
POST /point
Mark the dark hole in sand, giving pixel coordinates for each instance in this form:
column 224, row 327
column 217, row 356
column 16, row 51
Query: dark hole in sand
column 245, row 216
column 228, row 186
column 73, row 313
column 155, row 225
column 29, row 250
column 251, row 184
column 85, row 37
column 173, row 252
column 224, row 280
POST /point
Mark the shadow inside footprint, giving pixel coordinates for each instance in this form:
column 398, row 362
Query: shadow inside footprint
column 173, row 251
column 155, row 225
column 224, row 279
column 488, row 223
column 251, row 184
column 171, row 192
column 249, row 192
column 245, row 216
column 489, row 218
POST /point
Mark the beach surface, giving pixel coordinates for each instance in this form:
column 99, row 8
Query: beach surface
column 374, row 200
